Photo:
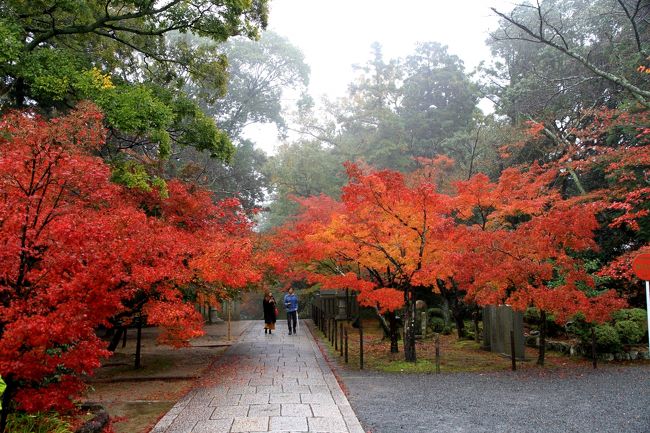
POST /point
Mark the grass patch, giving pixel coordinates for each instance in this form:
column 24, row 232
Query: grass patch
column 37, row 423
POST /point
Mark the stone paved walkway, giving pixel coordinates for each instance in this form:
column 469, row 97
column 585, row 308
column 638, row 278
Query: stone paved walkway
column 276, row 383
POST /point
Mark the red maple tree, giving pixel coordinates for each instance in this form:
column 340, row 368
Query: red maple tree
column 78, row 251
column 59, row 232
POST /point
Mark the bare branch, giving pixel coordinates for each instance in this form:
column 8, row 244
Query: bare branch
column 632, row 19
column 642, row 96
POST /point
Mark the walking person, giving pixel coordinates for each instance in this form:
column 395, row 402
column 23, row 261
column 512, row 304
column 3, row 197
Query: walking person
column 270, row 312
column 291, row 304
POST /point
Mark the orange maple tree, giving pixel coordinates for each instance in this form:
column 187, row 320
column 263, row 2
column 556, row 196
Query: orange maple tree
column 513, row 241
column 521, row 239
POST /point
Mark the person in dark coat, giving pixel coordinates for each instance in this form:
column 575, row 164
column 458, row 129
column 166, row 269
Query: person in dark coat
column 270, row 314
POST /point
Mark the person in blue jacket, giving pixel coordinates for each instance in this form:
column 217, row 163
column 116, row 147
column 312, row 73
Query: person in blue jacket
column 291, row 304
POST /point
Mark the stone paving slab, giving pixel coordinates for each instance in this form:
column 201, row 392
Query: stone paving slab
column 273, row 383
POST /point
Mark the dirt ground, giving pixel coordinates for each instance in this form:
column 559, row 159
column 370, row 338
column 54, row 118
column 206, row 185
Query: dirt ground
column 137, row 398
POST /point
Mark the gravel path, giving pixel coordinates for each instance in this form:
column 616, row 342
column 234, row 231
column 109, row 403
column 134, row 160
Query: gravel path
column 609, row 399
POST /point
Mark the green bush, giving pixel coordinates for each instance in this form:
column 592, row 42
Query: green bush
column 628, row 326
column 640, row 316
column 437, row 324
column 629, row 331
column 532, row 315
column 637, row 315
column 607, row 338
column 36, row 423
column 435, row 312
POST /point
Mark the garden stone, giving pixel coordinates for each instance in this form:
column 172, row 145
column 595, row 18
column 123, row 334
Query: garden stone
column 498, row 321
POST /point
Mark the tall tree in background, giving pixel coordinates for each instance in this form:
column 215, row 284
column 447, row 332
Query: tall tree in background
column 557, row 58
column 395, row 111
column 602, row 39
column 260, row 74
column 438, row 99
column 301, row 169
column 369, row 124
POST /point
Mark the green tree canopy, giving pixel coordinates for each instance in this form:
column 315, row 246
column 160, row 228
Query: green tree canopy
column 259, row 74
column 123, row 55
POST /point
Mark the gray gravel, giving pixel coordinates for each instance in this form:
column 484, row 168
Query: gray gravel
column 609, row 399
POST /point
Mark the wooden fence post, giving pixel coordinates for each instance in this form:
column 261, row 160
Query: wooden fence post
column 138, row 340
column 437, row 353
column 512, row 350
column 593, row 347
column 229, row 324
column 360, row 346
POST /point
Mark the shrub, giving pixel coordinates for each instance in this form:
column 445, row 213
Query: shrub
column 629, row 331
column 435, row 312
column 437, row 324
column 637, row 315
column 21, row 422
column 532, row 315
column 607, row 339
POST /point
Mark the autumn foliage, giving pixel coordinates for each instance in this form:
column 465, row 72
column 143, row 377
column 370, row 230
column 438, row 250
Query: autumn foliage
column 78, row 251
column 515, row 241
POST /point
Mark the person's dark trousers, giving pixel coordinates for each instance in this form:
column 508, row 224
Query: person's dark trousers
column 292, row 319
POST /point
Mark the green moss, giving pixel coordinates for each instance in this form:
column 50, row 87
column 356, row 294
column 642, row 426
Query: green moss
column 421, row 366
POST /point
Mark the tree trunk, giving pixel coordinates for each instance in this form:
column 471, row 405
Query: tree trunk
column 460, row 326
column 382, row 322
column 409, row 325
column 476, row 317
column 393, row 332
column 446, row 316
column 138, row 341
column 457, row 314
column 457, row 310
column 20, row 93
column 542, row 338
column 390, row 328
column 117, row 336
column 6, row 402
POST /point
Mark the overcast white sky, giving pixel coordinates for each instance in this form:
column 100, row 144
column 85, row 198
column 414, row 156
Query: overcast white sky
column 335, row 34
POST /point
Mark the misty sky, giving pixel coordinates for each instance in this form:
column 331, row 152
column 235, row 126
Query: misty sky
column 335, row 34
